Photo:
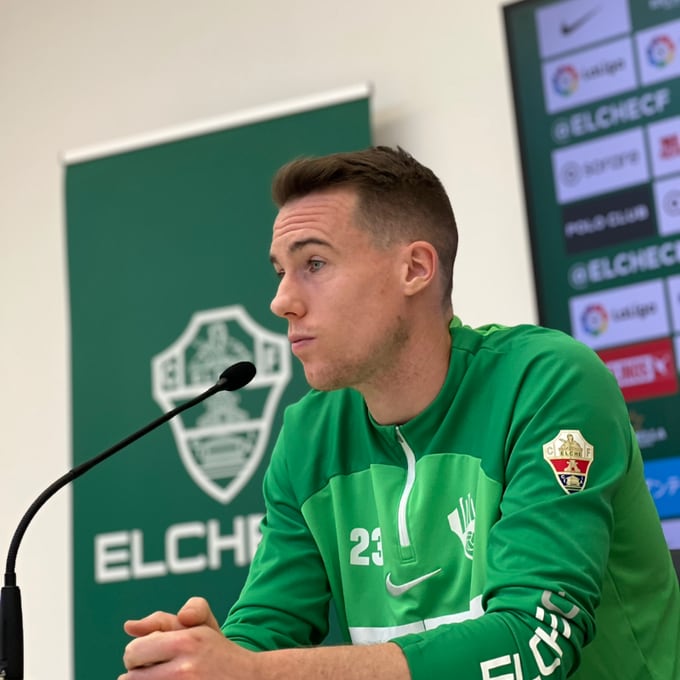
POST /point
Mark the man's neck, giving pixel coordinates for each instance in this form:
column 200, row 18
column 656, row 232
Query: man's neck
column 415, row 380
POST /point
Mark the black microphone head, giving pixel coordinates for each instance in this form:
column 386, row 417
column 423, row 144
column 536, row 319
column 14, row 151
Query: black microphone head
column 237, row 376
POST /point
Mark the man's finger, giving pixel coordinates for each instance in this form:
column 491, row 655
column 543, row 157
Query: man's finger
column 148, row 651
column 156, row 622
column 196, row 612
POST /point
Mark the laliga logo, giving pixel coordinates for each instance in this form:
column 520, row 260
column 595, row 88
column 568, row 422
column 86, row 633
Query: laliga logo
column 565, row 80
column 661, row 51
column 595, row 319
column 222, row 445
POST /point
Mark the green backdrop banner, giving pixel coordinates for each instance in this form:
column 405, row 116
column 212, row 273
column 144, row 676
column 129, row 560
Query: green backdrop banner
column 597, row 99
column 169, row 284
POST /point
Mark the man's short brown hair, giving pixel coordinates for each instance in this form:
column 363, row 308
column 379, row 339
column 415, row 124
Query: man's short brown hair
column 399, row 199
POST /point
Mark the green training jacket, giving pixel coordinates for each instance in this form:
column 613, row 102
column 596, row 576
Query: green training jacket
column 505, row 533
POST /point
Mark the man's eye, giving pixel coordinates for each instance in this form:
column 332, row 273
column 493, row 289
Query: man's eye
column 315, row 265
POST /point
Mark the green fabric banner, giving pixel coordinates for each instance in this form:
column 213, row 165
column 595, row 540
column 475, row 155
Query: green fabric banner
column 170, row 283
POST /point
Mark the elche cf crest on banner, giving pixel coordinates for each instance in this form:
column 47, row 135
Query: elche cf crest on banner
column 221, row 442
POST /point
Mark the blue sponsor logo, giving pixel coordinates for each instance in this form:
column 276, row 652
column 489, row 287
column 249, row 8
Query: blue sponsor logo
column 663, row 481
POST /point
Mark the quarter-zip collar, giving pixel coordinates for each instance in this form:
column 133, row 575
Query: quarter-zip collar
column 411, row 440
column 402, row 524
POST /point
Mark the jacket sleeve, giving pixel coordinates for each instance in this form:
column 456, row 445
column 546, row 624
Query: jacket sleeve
column 548, row 552
column 284, row 602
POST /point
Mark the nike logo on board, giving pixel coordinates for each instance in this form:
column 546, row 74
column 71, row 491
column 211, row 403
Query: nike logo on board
column 568, row 28
column 397, row 590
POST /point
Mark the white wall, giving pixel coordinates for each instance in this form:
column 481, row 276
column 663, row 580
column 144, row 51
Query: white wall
column 81, row 72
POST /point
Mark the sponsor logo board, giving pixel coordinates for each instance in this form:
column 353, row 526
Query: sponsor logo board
column 643, row 371
column 610, row 115
column 587, row 76
column 673, row 285
column 566, row 26
column 609, row 220
column 660, row 5
column 600, row 166
column 664, row 145
column 663, row 481
column 648, row 434
column 658, row 50
column 597, row 270
column 624, row 315
column 671, row 530
column 667, row 202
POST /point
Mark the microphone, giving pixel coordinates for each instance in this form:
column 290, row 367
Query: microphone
column 11, row 625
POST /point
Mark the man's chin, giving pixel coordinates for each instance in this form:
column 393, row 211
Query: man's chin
column 320, row 382
column 320, row 386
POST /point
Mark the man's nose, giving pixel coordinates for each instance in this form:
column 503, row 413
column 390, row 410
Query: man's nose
column 287, row 301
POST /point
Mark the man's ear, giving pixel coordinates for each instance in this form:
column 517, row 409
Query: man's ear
column 421, row 265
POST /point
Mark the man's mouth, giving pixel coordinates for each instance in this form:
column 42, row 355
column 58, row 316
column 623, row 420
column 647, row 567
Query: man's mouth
column 299, row 341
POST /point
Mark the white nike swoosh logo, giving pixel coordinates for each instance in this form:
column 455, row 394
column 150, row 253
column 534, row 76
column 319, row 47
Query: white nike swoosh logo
column 397, row 590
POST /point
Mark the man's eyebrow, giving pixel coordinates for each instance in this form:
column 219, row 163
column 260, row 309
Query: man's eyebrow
column 302, row 243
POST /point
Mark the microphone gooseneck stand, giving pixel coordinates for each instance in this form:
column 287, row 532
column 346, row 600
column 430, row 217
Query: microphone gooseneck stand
column 11, row 621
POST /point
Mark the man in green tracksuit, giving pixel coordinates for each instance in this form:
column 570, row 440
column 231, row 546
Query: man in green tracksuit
column 472, row 500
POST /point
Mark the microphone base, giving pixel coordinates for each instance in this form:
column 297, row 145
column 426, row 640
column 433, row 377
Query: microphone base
column 11, row 634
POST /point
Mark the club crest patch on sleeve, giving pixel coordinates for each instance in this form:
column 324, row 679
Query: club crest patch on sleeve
column 569, row 455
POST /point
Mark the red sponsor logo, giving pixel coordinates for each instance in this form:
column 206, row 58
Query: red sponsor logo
column 670, row 146
column 643, row 371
